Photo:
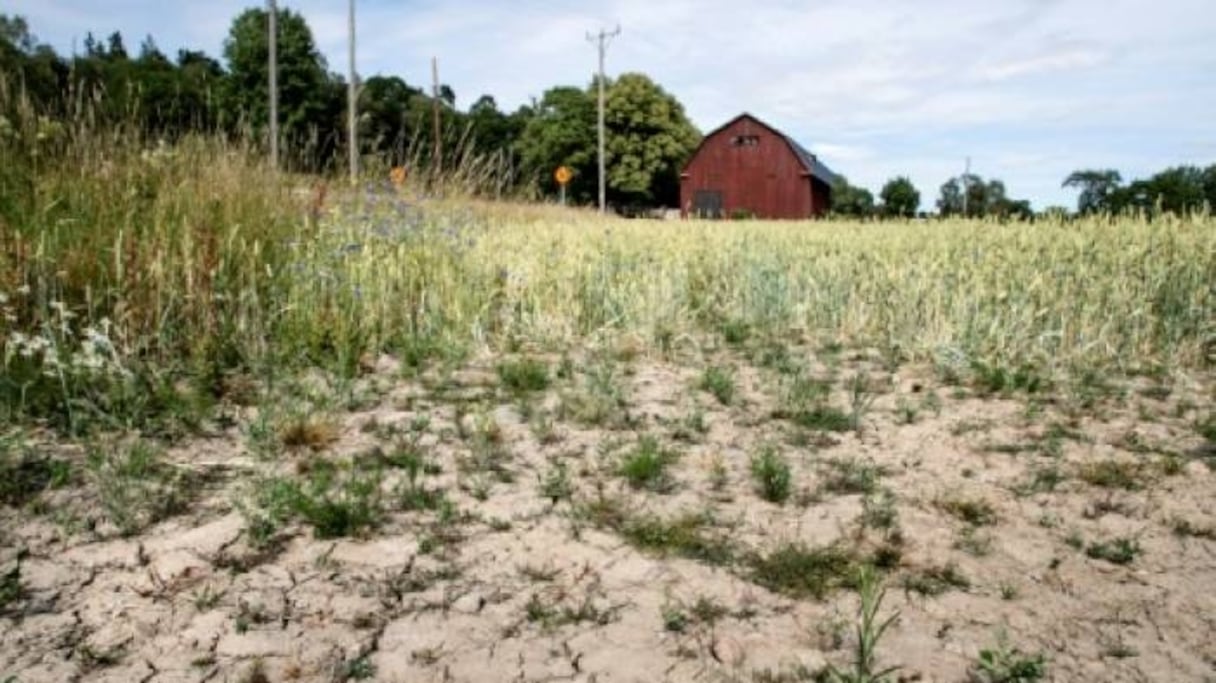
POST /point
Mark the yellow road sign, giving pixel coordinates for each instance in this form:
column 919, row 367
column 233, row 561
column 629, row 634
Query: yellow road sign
column 563, row 175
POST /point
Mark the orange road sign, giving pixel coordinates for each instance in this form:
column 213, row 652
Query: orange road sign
column 563, row 175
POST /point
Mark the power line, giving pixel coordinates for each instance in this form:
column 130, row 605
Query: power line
column 602, row 38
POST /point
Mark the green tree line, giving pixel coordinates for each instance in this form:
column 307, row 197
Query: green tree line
column 648, row 133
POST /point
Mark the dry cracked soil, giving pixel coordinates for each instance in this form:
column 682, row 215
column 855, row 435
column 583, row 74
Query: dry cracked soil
column 617, row 516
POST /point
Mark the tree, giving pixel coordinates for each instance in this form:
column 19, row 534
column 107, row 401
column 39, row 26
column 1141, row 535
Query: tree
column 384, row 122
column 1097, row 188
column 900, row 198
column 561, row 132
column 41, row 72
column 848, row 200
column 983, row 199
column 305, row 93
column 648, row 138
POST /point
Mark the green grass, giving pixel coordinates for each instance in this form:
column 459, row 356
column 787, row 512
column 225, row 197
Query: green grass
column 801, row 571
column 772, row 475
column 334, row 501
column 850, row 476
column 556, row 484
column 11, row 589
column 1007, row 664
column 523, row 376
column 720, row 382
column 976, row 512
column 1116, row 551
column 335, row 507
column 821, row 418
column 646, row 467
column 1114, row 474
column 690, row 536
column 136, row 486
column 24, row 473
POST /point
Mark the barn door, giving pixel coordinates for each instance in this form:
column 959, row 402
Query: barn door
column 707, row 204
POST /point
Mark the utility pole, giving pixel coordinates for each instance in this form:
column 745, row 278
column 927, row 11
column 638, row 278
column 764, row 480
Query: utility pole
column 351, row 96
column 435, row 116
column 273, row 38
column 602, row 39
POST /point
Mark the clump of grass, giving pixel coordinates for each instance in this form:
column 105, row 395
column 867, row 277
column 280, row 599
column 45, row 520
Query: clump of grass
column 332, row 504
column 973, row 542
column 906, row 411
column 1006, row 664
column 935, row 580
column 600, row 401
column 646, row 466
column 1113, row 474
column 823, row 418
column 797, row 570
column 136, row 486
column 976, row 512
column 861, row 398
column 720, row 382
column 998, row 379
column 25, row 474
column 268, row 508
column 691, row 427
column 878, row 510
column 1116, row 551
column 803, row 391
column 772, row 475
column 551, row 614
column 1041, row 480
column 735, row 331
column 684, row 536
column 337, row 507
column 413, row 493
column 556, row 485
column 1185, row 528
column 10, row 585
column 851, row 476
column 313, row 431
column 525, row 375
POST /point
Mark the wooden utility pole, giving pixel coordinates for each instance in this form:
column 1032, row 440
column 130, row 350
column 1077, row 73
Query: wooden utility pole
column 438, row 155
column 352, row 93
column 273, row 38
column 602, row 39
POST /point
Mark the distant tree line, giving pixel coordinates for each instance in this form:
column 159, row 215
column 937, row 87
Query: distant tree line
column 648, row 133
column 1178, row 190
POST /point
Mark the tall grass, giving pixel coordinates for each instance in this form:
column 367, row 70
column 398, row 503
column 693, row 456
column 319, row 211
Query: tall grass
column 195, row 260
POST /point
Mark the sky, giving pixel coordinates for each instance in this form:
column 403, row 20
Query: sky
column 1029, row 90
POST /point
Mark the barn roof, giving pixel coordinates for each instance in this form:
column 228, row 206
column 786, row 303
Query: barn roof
column 813, row 165
column 809, row 161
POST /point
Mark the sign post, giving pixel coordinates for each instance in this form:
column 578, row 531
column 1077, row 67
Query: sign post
column 562, row 175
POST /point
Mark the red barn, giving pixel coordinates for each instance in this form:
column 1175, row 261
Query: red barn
column 748, row 167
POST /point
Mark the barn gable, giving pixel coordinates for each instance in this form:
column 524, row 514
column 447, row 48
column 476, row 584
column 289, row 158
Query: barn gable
column 746, row 166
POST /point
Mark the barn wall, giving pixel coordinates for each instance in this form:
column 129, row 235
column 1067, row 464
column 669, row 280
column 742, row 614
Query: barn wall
column 765, row 178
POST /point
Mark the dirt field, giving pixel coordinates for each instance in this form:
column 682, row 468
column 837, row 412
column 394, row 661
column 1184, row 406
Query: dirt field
column 618, row 516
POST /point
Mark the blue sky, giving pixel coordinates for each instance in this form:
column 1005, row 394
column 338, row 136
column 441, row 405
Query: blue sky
column 1029, row 89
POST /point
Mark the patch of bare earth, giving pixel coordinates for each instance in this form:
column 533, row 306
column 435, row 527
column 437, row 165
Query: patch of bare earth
column 529, row 538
